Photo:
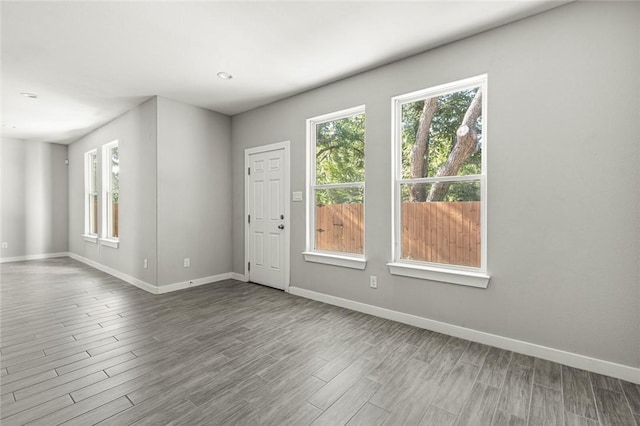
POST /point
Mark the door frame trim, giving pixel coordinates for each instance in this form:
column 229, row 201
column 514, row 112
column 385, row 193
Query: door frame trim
column 285, row 145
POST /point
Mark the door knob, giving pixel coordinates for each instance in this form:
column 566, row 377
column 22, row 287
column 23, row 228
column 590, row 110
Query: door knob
column 280, row 226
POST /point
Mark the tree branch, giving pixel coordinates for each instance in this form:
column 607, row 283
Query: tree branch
column 420, row 150
column 465, row 146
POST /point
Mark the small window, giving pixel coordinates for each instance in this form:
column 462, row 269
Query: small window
column 91, row 195
column 336, row 174
column 110, row 191
column 440, row 177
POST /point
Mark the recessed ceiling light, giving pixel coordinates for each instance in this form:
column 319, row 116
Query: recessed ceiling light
column 225, row 75
column 29, row 95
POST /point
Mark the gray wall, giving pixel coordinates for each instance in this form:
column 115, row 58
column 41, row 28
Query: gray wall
column 33, row 196
column 563, row 151
column 175, row 192
column 194, row 192
column 136, row 133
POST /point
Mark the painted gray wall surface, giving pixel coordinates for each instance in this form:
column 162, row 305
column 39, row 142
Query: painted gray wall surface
column 33, row 196
column 194, row 192
column 136, row 133
column 563, row 199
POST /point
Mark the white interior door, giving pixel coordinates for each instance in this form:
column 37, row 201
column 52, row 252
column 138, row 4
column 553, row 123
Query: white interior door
column 266, row 218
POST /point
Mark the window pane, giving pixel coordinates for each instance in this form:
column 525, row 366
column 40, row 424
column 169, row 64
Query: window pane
column 442, row 135
column 446, row 227
column 93, row 158
column 114, row 216
column 340, row 220
column 114, row 188
column 115, row 169
column 340, row 150
column 93, row 211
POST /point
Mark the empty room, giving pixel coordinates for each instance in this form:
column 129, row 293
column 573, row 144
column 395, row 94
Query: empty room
column 331, row 213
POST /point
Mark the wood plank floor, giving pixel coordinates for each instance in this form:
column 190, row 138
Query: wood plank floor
column 81, row 347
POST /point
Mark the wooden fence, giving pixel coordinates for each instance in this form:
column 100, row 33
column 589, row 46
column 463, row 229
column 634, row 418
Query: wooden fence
column 339, row 227
column 438, row 232
column 115, row 220
column 442, row 232
column 94, row 213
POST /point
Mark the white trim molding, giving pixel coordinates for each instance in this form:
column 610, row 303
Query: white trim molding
column 311, row 254
column 167, row 288
column 335, row 259
column 238, row 277
column 442, row 272
column 109, row 242
column 153, row 289
column 90, row 191
column 472, row 279
column 107, row 230
column 33, row 257
column 607, row 368
column 90, row 238
column 124, row 277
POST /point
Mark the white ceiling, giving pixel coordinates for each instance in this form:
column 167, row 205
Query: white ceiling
column 90, row 61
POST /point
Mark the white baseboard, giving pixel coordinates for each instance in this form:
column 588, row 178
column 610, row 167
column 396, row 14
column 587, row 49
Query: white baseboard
column 192, row 283
column 147, row 286
column 124, row 277
column 33, row 257
column 238, row 277
column 583, row 362
column 624, row 372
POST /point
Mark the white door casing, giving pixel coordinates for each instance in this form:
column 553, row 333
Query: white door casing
column 267, row 215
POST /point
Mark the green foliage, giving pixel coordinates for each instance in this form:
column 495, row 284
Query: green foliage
column 340, row 159
column 339, row 196
column 115, row 172
column 442, row 137
column 340, row 149
column 458, row 191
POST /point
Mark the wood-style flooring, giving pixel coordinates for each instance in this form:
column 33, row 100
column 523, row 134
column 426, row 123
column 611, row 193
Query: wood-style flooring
column 81, row 347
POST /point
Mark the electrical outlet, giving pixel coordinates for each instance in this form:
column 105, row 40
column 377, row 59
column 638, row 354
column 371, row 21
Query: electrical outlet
column 5, row 244
column 187, row 262
column 146, row 264
column 373, row 281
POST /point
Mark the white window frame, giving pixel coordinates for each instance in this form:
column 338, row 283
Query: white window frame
column 455, row 274
column 90, row 159
column 107, row 178
column 347, row 260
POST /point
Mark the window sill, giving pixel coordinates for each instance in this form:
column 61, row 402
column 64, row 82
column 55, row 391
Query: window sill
column 472, row 279
column 109, row 242
column 335, row 260
column 90, row 238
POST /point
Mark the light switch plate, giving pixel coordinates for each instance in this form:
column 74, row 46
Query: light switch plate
column 297, row 196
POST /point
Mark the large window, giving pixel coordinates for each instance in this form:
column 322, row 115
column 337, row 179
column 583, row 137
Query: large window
column 91, row 196
column 110, row 193
column 439, row 188
column 335, row 175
